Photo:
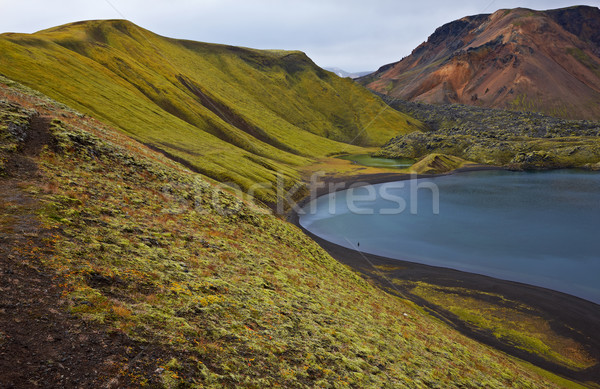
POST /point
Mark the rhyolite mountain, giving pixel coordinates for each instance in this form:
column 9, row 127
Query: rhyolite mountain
column 545, row 61
column 234, row 114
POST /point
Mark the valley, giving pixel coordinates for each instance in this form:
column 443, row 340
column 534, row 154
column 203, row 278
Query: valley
column 207, row 289
column 149, row 191
column 210, row 106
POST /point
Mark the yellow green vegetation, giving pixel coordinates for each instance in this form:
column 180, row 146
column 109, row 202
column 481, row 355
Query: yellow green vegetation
column 438, row 163
column 512, row 322
column 584, row 59
column 234, row 114
column 230, row 295
column 14, row 119
column 493, row 317
column 517, row 140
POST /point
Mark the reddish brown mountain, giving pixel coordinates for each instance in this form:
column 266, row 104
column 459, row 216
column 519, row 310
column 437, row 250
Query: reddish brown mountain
column 547, row 61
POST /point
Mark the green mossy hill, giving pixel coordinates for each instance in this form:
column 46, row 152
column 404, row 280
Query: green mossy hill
column 219, row 292
column 231, row 113
column 14, row 120
column 517, row 140
column 437, row 163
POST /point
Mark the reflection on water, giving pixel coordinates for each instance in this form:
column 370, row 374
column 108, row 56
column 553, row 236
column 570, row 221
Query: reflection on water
column 539, row 228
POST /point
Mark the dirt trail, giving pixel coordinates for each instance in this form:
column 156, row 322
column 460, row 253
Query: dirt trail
column 41, row 343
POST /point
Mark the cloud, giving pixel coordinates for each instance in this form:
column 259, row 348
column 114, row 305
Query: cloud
column 351, row 34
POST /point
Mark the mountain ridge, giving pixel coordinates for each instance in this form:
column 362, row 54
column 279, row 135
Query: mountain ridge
column 505, row 60
column 213, row 106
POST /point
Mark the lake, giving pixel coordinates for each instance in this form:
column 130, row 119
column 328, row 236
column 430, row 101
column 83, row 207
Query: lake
column 368, row 160
column 539, row 228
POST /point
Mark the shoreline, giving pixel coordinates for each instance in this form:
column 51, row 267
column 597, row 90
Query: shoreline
column 568, row 315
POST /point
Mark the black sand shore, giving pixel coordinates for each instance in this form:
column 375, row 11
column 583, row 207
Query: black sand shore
column 568, row 315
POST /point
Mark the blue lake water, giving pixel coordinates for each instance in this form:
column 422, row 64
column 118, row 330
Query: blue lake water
column 540, row 228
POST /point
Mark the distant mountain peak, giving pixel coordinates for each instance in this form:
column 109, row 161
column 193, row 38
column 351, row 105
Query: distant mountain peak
column 344, row 74
column 547, row 61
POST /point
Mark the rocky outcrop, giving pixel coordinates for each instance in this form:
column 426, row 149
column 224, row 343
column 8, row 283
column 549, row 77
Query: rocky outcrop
column 437, row 163
column 516, row 140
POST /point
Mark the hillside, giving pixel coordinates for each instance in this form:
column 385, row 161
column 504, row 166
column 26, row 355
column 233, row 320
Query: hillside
column 544, row 61
column 127, row 269
column 234, row 114
column 516, row 140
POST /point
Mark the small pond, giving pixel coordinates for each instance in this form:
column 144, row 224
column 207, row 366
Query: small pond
column 368, row 160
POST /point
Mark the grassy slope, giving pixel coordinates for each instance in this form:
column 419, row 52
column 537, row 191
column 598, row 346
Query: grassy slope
column 232, row 113
column 437, row 163
column 230, row 294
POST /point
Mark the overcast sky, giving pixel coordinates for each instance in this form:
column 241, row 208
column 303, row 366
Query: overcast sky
column 353, row 35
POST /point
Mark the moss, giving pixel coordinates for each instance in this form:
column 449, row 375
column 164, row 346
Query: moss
column 437, row 163
column 230, row 113
column 229, row 294
column 515, row 324
column 14, row 120
column 517, row 140
column 584, row 59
